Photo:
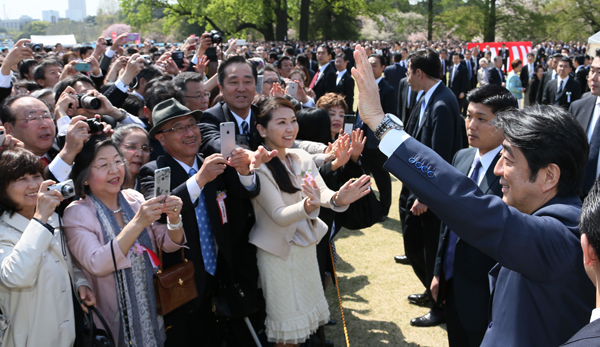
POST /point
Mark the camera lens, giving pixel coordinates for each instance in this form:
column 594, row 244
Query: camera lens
column 67, row 191
column 90, row 102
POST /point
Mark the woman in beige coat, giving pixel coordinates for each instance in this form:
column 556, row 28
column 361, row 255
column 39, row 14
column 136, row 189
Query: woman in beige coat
column 287, row 227
column 36, row 297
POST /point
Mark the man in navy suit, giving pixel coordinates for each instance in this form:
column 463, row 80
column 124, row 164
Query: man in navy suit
column 587, row 113
column 395, row 72
column 541, row 294
column 435, row 121
column 563, row 90
column 548, row 76
column 461, row 270
column 495, row 73
column 344, row 84
column 459, row 79
column 589, row 335
column 324, row 80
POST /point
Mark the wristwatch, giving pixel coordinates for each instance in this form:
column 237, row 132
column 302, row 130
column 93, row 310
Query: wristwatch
column 389, row 122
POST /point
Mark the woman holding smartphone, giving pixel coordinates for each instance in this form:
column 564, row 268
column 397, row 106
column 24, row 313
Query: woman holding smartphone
column 287, row 227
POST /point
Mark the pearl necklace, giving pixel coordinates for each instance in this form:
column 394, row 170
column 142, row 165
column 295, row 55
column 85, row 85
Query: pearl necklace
column 117, row 210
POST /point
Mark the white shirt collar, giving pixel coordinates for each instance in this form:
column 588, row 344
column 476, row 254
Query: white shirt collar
column 486, row 160
column 239, row 119
column 322, row 68
column 559, row 79
column 378, row 80
column 341, row 73
column 186, row 167
column 595, row 314
column 430, row 92
column 138, row 94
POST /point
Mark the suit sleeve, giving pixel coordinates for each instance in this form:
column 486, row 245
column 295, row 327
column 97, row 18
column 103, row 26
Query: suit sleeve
column 388, row 102
column 546, row 94
column 540, row 248
column 211, row 135
column 115, row 96
column 576, row 91
column 540, row 92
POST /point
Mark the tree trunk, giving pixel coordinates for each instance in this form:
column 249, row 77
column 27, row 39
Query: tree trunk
column 490, row 28
column 304, row 19
column 281, row 15
column 430, row 20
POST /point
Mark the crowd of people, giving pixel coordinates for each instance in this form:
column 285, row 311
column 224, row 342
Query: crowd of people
column 256, row 213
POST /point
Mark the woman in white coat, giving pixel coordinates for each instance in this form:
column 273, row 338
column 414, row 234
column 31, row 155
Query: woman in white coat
column 36, row 272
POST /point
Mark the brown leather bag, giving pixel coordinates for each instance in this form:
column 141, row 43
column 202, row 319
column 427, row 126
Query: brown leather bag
column 174, row 286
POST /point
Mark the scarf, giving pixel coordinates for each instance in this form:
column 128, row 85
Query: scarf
column 134, row 285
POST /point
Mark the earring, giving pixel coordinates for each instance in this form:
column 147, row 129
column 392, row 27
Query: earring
column 85, row 182
column 263, row 135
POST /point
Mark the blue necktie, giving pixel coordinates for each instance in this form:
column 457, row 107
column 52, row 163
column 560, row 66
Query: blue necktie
column 469, row 69
column 245, row 128
column 453, row 238
column 207, row 240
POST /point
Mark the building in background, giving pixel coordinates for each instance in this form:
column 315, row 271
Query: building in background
column 50, row 16
column 76, row 11
column 16, row 24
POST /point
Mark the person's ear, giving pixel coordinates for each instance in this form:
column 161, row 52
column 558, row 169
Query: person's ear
column 160, row 138
column 551, row 177
column 148, row 114
column 9, row 128
column 589, row 254
column 261, row 130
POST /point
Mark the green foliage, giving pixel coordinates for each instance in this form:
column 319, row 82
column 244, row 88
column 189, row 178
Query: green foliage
column 33, row 28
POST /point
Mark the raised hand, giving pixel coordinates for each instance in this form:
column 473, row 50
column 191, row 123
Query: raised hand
column 353, row 190
column 212, row 167
column 47, row 201
column 369, row 104
column 358, row 144
column 149, row 212
column 313, row 194
column 261, row 156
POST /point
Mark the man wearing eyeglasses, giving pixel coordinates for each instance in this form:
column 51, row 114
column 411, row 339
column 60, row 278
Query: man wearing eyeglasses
column 270, row 76
column 194, row 92
column 215, row 230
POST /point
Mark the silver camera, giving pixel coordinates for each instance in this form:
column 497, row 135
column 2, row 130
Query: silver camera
column 66, row 188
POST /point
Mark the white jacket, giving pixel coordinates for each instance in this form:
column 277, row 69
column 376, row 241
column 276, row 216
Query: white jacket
column 35, row 289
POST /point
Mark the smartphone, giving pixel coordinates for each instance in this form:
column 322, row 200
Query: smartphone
column 2, row 137
column 293, row 89
column 227, row 138
column 240, row 42
column 259, row 84
column 82, row 67
column 133, row 37
column 177, row 57
column 349, row 121
column 162, row 182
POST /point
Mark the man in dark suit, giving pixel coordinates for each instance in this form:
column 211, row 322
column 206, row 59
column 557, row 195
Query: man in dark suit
column 526, row 76
column 587, row 112
column 459, row 79
column 444, row 65
column 581, row 72
column 344, row 82
column 461, row 270
column 407, row 98
column 223, row 256
column 324, row 80
column 505, row 54
column 237, row 81
column 495, row 72
column 435, row 121
column 372, row 157
column 395, row 72
column 589, row 335
column 541, row 294
column 564, row 89
column 472, row 67
column 547, row 76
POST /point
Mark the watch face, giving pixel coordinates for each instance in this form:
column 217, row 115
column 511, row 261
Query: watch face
column 395, row 119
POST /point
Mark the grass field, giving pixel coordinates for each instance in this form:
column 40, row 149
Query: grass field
column 374, row 289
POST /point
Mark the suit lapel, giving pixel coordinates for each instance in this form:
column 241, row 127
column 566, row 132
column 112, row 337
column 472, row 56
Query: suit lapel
column 229, row 117
column 588, row 112
column 489, row 179
column 427, row 108
column 465, row 165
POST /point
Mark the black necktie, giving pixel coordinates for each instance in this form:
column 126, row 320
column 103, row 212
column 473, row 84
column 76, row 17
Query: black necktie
column 560, row 87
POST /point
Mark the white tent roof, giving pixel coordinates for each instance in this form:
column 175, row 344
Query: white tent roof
column 594, row 38
column 51, row 40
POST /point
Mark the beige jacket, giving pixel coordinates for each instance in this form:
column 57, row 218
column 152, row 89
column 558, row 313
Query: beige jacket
column 35, row 289
column 281, row 220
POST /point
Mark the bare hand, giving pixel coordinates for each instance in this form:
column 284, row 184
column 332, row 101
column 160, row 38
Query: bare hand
column 66, row 104
column 150, row 211
column 212, row 167
column 172, row 207
column 201, row 66
column 87, row 296
column 369, row 103
column 77, row 135
column 94, row 65
column 313, row 193
column 277, row 90
column 418, row 208
column 120, row 40
column 240, row 161
column 260, row 156
column 16, row 55
column 134, row 66
column 68, row 70
column 343, row 151
column 47, row 201
column 435, row 286
column 358, row 144
column 352, row 191
column 10, row 141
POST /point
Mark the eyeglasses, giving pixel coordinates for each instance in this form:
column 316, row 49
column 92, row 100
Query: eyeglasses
column 132, row 147
column 270, row 81
column 205, row 95
column 181, row 128
column 104, row 167
column 46, row 116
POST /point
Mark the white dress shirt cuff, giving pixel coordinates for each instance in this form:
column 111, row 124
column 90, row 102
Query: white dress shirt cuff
column 195, row 60
column 121, row 85
column 193, row 188
column 109, row 53
column 60, row 169
column 131, row 119
column 63, row 124
column 309, row 103
column 391, row 141
column 5, row 81
column 249, row 182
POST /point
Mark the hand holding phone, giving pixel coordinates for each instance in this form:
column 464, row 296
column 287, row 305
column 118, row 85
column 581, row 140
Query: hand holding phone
column 349, row 121
column 292, row 89
column 82, row 67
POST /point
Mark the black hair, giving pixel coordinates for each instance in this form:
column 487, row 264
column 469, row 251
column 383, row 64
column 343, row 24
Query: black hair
column 148, row 73
column 534, row 131
column 341, row 55
column 83, row 161
column 39, row 73
column 60, row 87
column 290, row 51
column 133, row 104
column 83, row 50
column 273, row 55
column 7, row 115
column 15, row 163
column 160, row 92
column 281, row 60
column 460, row 56
column 234, row 60
column 314, row 125
column 265, row 114
column 428, row 61
column 183, row 78
column 397, row 57
column 580, row 59
column 379, row 57
column 327, row 48
column 496, row 97
column 24, row 67
column 566, row 60
column 589, row 222
column 302, row 59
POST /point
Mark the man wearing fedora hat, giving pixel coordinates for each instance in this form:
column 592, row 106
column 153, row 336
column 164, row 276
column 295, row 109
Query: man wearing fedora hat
column 214, row 214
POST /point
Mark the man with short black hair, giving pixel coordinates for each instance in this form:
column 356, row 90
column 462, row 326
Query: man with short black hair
column 395, row 72
column 344, row 83
column 192, row 86
column 548, row 76
column 526, row 76
column 47, row 73
column 459, row 79
column 324, row 80
column 563, row 90
column 285, row 66
column 580, row 72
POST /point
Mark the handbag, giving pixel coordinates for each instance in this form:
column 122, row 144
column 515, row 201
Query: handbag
column 231, row 301
column 174, row 286
column 93, row 337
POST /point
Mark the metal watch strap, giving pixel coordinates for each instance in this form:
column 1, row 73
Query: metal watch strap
column 386, row 124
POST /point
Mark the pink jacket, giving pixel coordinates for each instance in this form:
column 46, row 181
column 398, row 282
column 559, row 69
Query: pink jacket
column 93, row 255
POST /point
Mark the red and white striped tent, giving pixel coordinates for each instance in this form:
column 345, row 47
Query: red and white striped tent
column 517, row 50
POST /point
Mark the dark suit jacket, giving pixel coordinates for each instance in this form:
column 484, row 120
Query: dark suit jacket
column 524, row 76
column 541, row 294
column 460, row 83
column 346, row 88
column 471, row 266
column 546, row 77
column 444, row 66
column 211, row 134
column 550, row 97
column 403, row 99
column 494, row 76
column 236, row 259
column 325, row 83
column 581, row 77
column 393, row 74
column 583, row 110
column 588, row 336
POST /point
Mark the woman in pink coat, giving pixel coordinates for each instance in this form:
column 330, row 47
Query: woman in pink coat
column 111, row 226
